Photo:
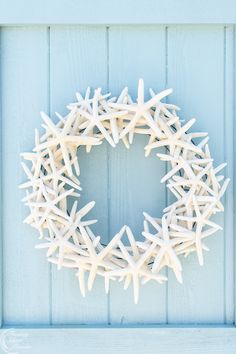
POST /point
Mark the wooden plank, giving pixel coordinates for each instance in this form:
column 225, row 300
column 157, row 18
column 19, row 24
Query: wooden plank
column 196, row 72
column 134, row 181
column 118, row 12
column 78, row 58
column 234, row 163
column 24, row 76
column 1, row 208
column 180, row 340
column 200, row 69
column 229, row 172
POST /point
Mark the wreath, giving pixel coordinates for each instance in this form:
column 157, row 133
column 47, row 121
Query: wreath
column 53, row 181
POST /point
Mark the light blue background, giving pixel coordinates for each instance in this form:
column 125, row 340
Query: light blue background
column 42, row 67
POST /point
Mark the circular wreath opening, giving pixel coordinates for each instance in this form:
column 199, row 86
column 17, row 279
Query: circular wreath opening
column 52, row 169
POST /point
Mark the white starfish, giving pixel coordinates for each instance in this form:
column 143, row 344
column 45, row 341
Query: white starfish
column 37, row 158
column 141, row 110
column 136, row 265
column 173, row 139
column 95, row 259
column 58, row 175
column 96, row 118
column 201, row 220
column 196, row 184
column 65, row 233
column 48, row 206
column 36, row 182
column 62, row 138
column 85, row 103
column 165, row 108
column 165, row 251
column 188, row 237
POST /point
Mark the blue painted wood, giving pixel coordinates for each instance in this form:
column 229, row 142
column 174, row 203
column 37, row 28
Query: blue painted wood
column 1, row 213
column 118, row 12
column 24, row 84
column 196, row 71
column 134, row 181
column 229, row 253
column 181, row 340
column 75, row 63
column 233, row 152
column 42, row 68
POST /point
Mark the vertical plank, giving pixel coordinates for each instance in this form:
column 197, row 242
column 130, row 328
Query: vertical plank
column 24, row 69
column 123, row 183
column 196, row 71
column 1, row 197
column 229, row 157
column 78, row 58
column 134, row 181
column 234, row 163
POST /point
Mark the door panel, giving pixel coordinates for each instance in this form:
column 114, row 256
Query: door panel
column 196, row 72
column 78, row 58
column 42, row 67
column 24, row 83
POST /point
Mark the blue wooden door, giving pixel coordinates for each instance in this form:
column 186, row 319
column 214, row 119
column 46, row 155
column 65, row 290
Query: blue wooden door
column 49, row 51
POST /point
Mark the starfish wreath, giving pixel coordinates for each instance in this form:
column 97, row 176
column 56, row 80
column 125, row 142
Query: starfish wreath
column 52, row 171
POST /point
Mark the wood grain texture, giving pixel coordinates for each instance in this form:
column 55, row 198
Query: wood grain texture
column 134, row 181
column 229, row 254
column 117, row 12
column 1, row 208
column 41, row 69
column 196, row 71
column 183, row 340
column 78, row 58
column 24, row 83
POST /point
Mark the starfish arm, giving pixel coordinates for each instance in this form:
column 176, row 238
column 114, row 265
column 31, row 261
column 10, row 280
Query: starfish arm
column 130, row 125
column 152, row 221
column 171, row 173
column 105, row 134
column 81, row 279
column 27, row 171
column 199, row 244
column 185, row 128
column 152, row 102
column 70, row 183
column 114, row 130
column 209, row 232
column 89, row 128
column 127, row 281
column 158, row 260
column 123, row 107
column 147, row 254
column 174, row 260
column 126, row 255
column 49, row 123
column 140, row 98
column 66, row 158
column 92, row 276
column 153, row 238
column 213, row 225
column 86, row 209
column 224, row 187
column 152, row 124
column 132, row 242
column 112, row 243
